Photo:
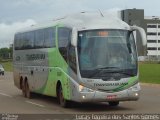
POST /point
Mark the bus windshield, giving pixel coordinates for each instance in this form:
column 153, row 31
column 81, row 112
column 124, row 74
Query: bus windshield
column 107, row 53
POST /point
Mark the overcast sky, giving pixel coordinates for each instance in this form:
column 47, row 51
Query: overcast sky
column 16, row 14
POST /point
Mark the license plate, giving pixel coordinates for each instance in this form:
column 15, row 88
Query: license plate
column 110, row 97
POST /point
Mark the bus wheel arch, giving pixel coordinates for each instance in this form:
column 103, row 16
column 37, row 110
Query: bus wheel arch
column 57, row 87
column 27, row 89
column 21, row 83
column 22, row 86
column 60, row 95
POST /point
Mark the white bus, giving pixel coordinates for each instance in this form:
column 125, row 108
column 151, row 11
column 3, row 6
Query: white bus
column 87, row 57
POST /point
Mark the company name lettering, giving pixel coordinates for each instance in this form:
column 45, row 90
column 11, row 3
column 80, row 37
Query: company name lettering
column 110, row 84
column 35, row 56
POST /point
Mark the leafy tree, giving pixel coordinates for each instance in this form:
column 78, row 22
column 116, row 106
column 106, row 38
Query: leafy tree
column 5, row 53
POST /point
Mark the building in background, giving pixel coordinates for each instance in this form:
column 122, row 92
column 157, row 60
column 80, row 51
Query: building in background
column 153, row 37
column 151, row 25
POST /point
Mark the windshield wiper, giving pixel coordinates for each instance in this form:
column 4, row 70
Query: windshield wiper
column 115, row 70
column 107, row 68
column 121, row 71
column 125, row 73
column 104, row 70
column 98, row 71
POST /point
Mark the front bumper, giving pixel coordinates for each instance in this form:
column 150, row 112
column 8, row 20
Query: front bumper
column 130, row 94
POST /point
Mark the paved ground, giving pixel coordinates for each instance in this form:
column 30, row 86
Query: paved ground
column 12, row 101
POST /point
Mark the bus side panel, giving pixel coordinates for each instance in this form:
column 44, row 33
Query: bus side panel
column 16, row 76
column 50, row 87
column 18, row 67
column 58, row 72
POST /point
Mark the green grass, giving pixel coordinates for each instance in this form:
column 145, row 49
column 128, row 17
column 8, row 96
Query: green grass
column 7, row 65
column 149, row 73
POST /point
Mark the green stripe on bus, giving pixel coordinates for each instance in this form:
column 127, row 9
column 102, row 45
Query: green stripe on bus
column 131, row 82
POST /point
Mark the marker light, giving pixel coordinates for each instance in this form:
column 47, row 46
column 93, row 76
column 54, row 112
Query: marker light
column 81, row 88
column 84, row 89
column 103, row 33
column 136, row 94
column 83, row 96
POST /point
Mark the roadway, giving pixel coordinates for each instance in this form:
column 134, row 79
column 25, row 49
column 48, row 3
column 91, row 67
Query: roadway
column 12, row 101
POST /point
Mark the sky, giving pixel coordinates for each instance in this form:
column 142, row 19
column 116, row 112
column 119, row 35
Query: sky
column 18, row 14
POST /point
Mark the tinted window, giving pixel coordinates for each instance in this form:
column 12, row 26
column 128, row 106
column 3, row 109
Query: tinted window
column 63, row 37
column 39, row 38
column 72, row 59
column 28, row 40
column 18, row 41
column 42, row 38
column 100, row 50
column 49, row 36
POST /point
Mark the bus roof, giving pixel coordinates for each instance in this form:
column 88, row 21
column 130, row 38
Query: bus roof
column 85, row 21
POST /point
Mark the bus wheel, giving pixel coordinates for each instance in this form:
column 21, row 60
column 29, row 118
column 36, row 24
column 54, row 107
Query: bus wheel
column 62, row 101
column 23, row 89
column 27, row 90
column 114, row 103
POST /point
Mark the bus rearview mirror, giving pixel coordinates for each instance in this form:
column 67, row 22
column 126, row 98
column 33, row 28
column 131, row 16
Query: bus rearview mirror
column 74, row 37
column 142, row 34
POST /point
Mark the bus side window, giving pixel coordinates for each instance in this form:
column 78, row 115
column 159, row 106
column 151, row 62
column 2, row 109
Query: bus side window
column 64, row 36
column 39, row 39
column 18, row 41
column 50, row 37
column 28, row 40
column 72, row 58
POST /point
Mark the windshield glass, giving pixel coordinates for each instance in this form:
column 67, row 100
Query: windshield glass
column 104, row 52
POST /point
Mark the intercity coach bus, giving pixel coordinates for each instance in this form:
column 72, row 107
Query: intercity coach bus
column 86, row 57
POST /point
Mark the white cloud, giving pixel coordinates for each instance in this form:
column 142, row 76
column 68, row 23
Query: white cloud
column 114, row 11
column 7, row 31
column 43, row 10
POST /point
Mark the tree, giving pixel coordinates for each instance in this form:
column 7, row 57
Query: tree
column 5, row 53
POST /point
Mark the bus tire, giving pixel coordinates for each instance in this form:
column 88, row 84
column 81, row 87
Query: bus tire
column 63, row 103
column 23, row 88
column 114, row 103
column 27, row 90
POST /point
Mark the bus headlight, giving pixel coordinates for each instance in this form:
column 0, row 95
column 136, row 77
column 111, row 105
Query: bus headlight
column 84, row 89
column 136, row 87
column 136, row 94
